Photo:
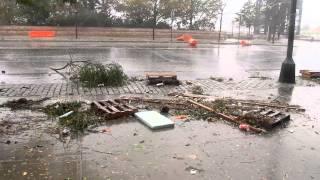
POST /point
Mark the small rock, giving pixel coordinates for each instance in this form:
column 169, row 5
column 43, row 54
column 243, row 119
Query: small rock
column 187, row 145
column 188, row 82
column 8, row 142
column 3, row 72
column 141, row 142
column 135, row 134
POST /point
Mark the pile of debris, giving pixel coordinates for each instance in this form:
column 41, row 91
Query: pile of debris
column 253, row 116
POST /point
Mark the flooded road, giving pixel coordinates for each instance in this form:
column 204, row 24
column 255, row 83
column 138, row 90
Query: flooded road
column 29, row 63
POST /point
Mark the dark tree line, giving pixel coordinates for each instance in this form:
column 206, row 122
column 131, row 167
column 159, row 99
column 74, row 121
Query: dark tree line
column 188, row 14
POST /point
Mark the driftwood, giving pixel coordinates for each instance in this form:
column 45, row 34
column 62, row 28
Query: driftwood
column 225, row 117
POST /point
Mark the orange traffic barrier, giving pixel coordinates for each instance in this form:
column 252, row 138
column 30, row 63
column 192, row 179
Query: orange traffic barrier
column 41, row 34
column 189, row 39
column 245, row 43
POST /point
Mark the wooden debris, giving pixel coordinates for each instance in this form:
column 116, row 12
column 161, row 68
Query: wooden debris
column 153, row 101
column 225, row 117
column 271, row 105
column 267, row 119
column 162, row 77
column 113, row 109
column 310, row 74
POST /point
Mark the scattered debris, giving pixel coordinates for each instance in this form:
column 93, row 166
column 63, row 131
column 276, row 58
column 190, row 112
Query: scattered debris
column 23, row 103
column 165, row 110
column 260, row 77
column 291, row 131
column 308, row 74
column 197, row 90
column 81, row 118
column 93, row 74
column 167, row 78
column 182, row 117
column 106, row 130
column 113, row 109
column 66, row 114
column 154, row 120
column 160, row 84
column 65, row 132
column 193, row 156
column 218, row 79
column 225, row 117
column 193, row 171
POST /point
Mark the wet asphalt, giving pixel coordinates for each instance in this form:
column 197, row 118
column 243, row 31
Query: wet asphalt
column 29, row 62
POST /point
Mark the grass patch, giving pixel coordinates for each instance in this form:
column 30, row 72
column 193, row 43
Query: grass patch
column 93, row 75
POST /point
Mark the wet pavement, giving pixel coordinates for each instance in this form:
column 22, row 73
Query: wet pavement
column 29, row 62
column 214, row 150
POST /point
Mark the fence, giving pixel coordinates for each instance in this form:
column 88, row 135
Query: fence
column 106, row 33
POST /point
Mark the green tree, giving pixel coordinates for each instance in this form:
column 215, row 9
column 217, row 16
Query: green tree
column 248, row 14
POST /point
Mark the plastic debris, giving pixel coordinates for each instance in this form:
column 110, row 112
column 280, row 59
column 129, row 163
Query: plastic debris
column 193, row 171
column 154, row 120
column 244, row 127
column 66, row 114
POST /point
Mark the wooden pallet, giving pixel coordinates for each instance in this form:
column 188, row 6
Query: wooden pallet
column 113, row 109
column 269, row 119
column 162, row 77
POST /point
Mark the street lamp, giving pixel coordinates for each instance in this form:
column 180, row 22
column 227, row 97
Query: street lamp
column 76, row 24
column 172, row 19
column 220, row 29
column 288, row 69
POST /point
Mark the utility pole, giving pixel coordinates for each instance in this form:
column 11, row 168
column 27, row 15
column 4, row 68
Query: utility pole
column 288, row 69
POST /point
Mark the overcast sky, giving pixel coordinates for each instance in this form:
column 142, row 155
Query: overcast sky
column 311, row 12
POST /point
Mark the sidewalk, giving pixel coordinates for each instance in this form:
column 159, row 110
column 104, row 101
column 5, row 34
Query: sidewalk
column 210, row 87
